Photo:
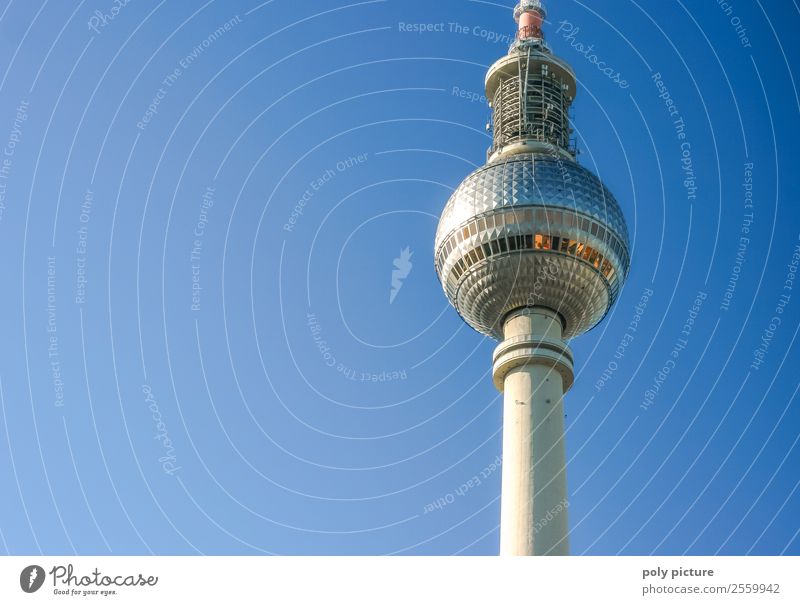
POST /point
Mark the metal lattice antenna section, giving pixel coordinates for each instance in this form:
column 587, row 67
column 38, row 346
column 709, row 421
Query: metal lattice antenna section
column 531, row 92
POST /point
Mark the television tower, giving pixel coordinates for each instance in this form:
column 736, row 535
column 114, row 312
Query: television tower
column 532, row 250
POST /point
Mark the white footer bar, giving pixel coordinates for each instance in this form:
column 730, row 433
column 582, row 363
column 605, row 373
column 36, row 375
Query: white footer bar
column 401, row 580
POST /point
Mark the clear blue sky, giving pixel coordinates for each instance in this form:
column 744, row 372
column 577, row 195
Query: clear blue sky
column 198, row 231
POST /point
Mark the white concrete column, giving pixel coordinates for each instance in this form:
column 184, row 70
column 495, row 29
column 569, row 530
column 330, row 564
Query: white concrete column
column 533, row 368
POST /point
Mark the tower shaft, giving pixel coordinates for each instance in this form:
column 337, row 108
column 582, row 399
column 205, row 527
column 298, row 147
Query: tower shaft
column 533, row 369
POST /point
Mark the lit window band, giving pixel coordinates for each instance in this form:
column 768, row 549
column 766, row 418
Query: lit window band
column 556, row 220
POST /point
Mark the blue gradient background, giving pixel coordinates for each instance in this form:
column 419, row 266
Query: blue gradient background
column 277, row 451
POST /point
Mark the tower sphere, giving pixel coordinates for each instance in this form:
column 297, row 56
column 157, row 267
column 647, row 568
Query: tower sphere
column 531, row 230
